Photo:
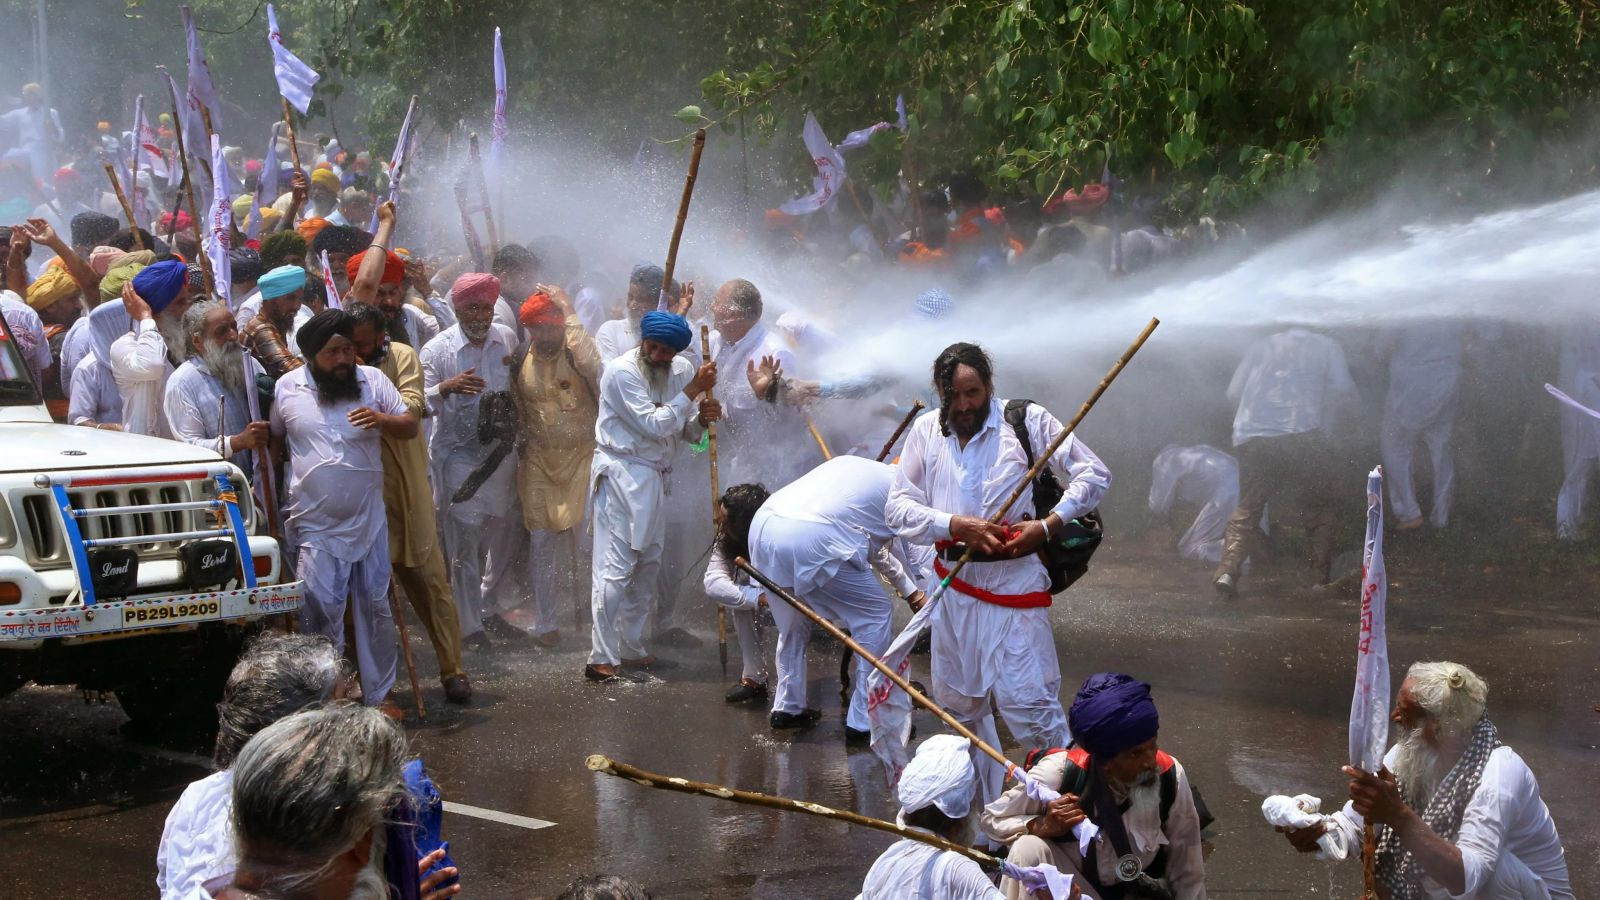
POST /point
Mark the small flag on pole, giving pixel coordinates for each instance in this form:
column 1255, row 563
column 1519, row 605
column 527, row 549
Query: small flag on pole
column 295, row 79
column 219, row 230
column 830, row 172
column 1369, row 708
column 328, row 285
column 497, row 144
column 397, row 161
column 202, row 90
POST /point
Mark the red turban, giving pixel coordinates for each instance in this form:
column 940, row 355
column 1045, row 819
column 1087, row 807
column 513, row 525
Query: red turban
column 475, row 286
column 538, row 310
column 164, row 225
column 394, row 270
column 1092, row 198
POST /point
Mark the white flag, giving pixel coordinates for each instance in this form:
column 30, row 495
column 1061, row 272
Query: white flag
column 295, row 79
column 397, row 162
column 830, row 172
column 266, row 185
column 202, row 91
column 1369, row 708
column 219, row 230
column 497, row 144
column 328, row 287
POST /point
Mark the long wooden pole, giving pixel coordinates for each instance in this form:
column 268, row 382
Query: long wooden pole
column 683, row 215
column 1043, row 459
column 864, row 653
column 288, row 122
column 904, row 424
column 608, row 766
column 716, row 504
column 194, row 210
column 1369, row 862
column 405, row 648
column 127, row 208
column 817, row 436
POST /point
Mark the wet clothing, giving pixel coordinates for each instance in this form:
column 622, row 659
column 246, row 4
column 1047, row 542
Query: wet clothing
column 141, row 365
column 1424, row 390
column 1203, row 476
column 912, row 870
column 732, row 588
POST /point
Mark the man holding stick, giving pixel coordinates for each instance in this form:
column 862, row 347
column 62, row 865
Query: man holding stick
column 992, row 644
column 647, row 404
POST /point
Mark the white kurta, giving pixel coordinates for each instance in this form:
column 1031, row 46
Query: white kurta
column 912, row 870
column 74, row 347
column 1289, row 383
column 759, row 441
column 1204, row 476
column 453, row 448
column 732, row 588
column 190, row 405
column 1424, row 386
column 1509, row 846
column 141, row 367
column 94, row 394
column 197, row 840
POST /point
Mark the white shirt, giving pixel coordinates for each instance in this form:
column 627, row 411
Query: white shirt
column 1580, row 379
column 28, row 329
column 197, row 841
column 335, row 478
column 420, row 327
column 1201, row 475
column 141, row 366
column 616, row 337
column 74, row 347
column 453, row 447
column 903, row 870
column 1425, row 373
column 190, row 405
column 94, row 398
column 729, row 586
column 751, row 429
column 1289, row 383
column 1505, row 817
column 842, row 501
column 636, row 434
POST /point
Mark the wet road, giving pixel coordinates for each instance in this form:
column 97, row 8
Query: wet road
column 1254, row 697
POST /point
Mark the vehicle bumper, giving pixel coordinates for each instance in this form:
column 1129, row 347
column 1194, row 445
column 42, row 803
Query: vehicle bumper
column 24, row 629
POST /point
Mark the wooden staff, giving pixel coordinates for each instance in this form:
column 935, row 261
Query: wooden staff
column 288, row 122
column 467, row 229
column 194, row 211
column 683, row 215
column 1043, row 459
column 1369, row 862
column 716, row 501
column 817, row 436
column 127, row 208
column 205, row 158
column 878, row 664
column 405, row 647
column 608, row 766
column 904, row 424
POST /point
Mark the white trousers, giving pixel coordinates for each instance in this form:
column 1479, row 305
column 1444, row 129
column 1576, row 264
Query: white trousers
column 329, row 583
column 480, row 556
column 855, row 597
column 751, row 650
column 553, row 571
column 624, row 583
column 1398, row 443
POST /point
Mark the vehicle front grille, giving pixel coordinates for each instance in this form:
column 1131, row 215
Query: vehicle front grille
column 47, row 545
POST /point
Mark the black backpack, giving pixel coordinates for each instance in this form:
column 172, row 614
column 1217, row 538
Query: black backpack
column 1067, row 555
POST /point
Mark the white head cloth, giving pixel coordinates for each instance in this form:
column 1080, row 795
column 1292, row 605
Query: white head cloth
column 941, row 774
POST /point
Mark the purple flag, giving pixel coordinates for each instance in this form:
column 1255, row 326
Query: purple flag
column 202, row 91
column 396, row 162
column 1369, row 708
column 295, row 79
column 497, row 144
column 219, row 230
column 830, row 172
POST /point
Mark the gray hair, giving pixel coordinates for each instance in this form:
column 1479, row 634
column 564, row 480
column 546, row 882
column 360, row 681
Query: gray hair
column 1451, row 693
column 603, row 887
column 744, row 298
column 193, row 322
column 277, row 675
column 309, row 787
column 354, row 195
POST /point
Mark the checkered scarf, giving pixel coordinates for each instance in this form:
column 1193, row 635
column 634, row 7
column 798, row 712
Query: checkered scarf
column 1397, row 869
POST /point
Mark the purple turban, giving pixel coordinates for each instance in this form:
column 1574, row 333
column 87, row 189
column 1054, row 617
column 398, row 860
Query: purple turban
column 1112, row 713
column 160, row 283
column 665, row 328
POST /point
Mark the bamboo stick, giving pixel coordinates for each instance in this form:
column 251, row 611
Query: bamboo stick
column 483, row 195
column 683, row 215
column 716, row 500
column 817, row 436
column 1043, row 459
column 1369, row 862
column 608, row 766
column 194, row 211
column 405, row 648
column 904, row 424
column 127, row 208
column 288, row 122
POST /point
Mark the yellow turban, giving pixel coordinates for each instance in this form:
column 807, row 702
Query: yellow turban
column 269, row 218
column 241, row 209
column 53, row 285
column 325, row 179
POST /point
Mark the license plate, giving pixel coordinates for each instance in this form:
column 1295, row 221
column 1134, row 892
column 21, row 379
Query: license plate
column 171, row 611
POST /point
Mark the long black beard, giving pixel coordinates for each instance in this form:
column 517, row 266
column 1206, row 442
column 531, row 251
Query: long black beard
column 333, row 389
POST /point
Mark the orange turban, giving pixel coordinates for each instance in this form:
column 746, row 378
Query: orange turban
column 308, row 228
column 538, row 310
column 394, row 270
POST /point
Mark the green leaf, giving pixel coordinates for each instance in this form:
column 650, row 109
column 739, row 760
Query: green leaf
column 689, row 115
column 969, row 104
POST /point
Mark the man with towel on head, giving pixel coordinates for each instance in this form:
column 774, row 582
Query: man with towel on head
column 328, row 421
column 1114, row 776
column 647, row 404
column 935, row 794
column 144, row 358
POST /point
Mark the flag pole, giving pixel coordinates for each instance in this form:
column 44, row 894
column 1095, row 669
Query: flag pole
column 127, row 208
column 683, row 215
column 194, row 211
column 716, row 501
column 288, row 122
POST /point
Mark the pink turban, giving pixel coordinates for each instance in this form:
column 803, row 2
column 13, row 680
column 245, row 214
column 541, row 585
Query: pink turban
column 475, row 286
column 100, row 259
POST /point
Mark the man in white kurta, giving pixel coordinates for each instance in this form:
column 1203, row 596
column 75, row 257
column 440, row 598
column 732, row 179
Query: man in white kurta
column 824, row 539
column 335, row 486
column 647, row 405
column 758, row 442
column 1424, row 390
column 991, row 645
column 484, row 531
column 144, row 358
column 1201, row 476
column 208, row 399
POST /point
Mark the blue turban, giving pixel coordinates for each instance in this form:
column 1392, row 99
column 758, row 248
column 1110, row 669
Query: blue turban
column 160, row 283
column 281, row 281
column 666, row 328
column 1112, row 713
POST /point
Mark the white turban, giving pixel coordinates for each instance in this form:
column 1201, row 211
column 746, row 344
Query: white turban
column 941, row 774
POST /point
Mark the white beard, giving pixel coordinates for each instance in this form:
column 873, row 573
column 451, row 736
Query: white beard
column 1418, row 768
column 172, row 333
column 657, row 378
column 370, row 883
column 1143, row 796
column 227, row 365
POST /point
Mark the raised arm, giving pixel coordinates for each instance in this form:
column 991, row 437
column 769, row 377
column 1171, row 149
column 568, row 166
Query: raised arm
column 364, row 287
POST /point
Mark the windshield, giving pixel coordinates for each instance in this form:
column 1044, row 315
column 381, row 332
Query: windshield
column 16, row 382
